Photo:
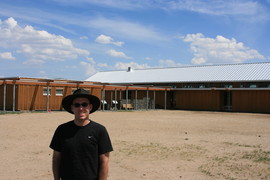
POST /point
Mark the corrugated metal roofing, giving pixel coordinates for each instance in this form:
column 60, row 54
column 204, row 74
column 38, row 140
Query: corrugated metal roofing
column 213, row 73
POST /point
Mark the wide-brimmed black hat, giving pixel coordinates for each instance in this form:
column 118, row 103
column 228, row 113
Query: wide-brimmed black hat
column 68, row 100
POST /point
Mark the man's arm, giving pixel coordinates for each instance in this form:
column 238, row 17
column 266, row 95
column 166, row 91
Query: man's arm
column 104, row 166
column 56, row 164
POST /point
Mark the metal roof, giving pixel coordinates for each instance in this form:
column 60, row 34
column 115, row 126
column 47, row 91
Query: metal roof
column 211, row 73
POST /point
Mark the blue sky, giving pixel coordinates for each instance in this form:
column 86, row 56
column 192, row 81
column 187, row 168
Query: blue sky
column 73, row 39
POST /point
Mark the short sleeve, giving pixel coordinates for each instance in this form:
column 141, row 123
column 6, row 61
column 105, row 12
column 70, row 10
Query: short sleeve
column 104, row 143
column 56, row 140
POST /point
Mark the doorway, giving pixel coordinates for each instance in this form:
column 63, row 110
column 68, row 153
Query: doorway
column 227, row 101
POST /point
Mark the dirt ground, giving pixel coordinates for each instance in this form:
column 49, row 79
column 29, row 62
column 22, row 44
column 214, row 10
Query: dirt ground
column 148, row 145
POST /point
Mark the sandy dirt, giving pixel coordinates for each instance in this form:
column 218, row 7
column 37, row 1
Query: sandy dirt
column 158, row 145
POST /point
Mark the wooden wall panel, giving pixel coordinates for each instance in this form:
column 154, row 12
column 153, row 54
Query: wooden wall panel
column 251, row 101
column 160, row 100
column 1, row 97
column 29, row 97
column 198, row 100
column 96, row 92
column 9, row 98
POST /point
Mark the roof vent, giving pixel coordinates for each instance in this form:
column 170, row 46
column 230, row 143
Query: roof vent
column 129, row 69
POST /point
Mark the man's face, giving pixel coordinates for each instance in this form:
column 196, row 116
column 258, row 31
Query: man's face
column 81, row 108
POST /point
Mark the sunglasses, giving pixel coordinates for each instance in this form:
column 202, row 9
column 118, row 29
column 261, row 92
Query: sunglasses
column 78, row 104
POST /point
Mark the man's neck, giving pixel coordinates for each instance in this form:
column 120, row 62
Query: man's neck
column 81, row 122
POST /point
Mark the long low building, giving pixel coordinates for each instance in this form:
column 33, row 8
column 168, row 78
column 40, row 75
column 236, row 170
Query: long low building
column 32, row 94
column 231, row 87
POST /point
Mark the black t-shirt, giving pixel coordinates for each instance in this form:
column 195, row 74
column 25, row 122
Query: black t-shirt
column 80, row 148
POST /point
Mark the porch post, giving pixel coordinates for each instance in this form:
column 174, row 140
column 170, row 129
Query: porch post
column 4, row 98
column 126, row 98
column 48, row 98
column 154, row 100
column 165, row 106
column 147, row 94
column 136, row 101
column 14, row 96
column 115, row 98
column 103, row 98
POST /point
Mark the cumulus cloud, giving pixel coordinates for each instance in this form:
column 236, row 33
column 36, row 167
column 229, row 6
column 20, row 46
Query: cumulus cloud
column 121, row 65
column 168, row 63
column 117, row 54
column 103, row 39
column 219, row 50
column 103, row 65
column 36, row 45
column 7, row 55
column 89, row 68
column 91, row 60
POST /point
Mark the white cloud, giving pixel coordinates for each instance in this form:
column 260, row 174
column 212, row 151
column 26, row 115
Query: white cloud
column 103, row 39
column 219, row 50
column 119, row 4
column 127, row 29
column 42, row 73
column 33, row 61
column 148, row 58
column 248, row 8
column 37, row 46
column 7, row 55
column 117, row 54
column 84, row 37
column 217, row 7
column 168, row 63
column 121, row 65
column 103, row 65
column 11, row 23
column 91, row 60
column 227, row 7
column 89, row 68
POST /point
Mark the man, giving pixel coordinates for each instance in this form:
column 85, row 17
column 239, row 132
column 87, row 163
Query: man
column 81, row 147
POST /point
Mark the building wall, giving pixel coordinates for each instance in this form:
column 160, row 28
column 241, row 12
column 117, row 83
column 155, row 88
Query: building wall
column 198, row 100
column 251, row 101
column 31, row 97
column 9, row 97
column 34, row 97
column 95, row 91
column 218, row 100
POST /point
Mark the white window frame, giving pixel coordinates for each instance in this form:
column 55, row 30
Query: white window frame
column 45, row 91
column 57, row 92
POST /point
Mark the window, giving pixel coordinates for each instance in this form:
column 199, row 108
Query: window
column 45, row 91
column 202, row 86
column 228, row 85
column 59, row 92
